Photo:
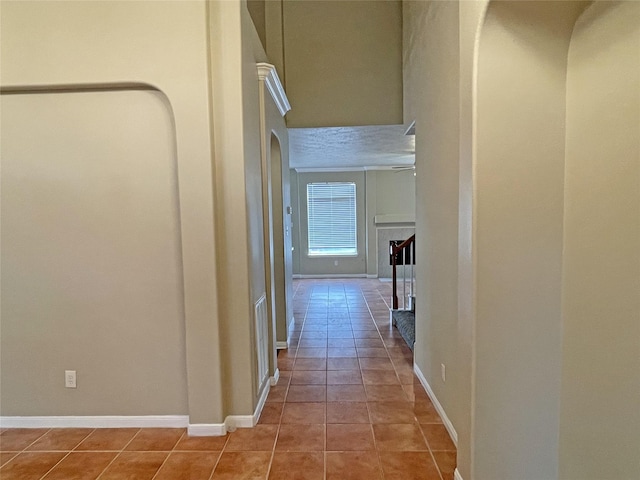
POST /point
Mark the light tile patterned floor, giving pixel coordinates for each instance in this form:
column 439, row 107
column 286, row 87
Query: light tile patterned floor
column 347, row 406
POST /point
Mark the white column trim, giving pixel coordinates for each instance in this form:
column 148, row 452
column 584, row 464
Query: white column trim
column 268, row 74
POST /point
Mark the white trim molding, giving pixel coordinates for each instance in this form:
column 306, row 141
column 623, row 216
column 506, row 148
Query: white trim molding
column 144, row 421
column 276, row 376
column 232, row 421
column 443, row 415
column 268, row 74
column 456, row 475
column 292, row 325
column 282, row 345
column 101, row 421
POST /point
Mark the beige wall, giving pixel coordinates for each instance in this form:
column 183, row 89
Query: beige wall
column 177, row 49
column 91, row 258
column 600, row 410
column 432, row 92
column 346, row 265
column 143, row 43
column 538, row 270
column 520, row 135
column 341, row 61
column 383, row 192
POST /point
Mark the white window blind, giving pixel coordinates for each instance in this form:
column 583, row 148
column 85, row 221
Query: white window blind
column 331, row 214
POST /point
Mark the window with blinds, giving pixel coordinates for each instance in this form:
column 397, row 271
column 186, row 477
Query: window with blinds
column 331, row 214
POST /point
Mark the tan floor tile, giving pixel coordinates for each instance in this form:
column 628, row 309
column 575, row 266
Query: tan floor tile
column 391, row 412
column 304, row 413
column 342, row 364
column 341, row 352
column 202, row 444
column 311, row 353
column 374, row 352
column 242, row 466
column 134, row 465
column 309, row 377
column 30, row 465
column 286, row 363
column 300, row 438
column 277, row 394
column 63, row 439
column 188, row 466
column 81, row 466
column 258, row 438
column 297, row 466
column 384, row 393
column 438, row 437
column 341, row 343
column 341, row 333
column 346, row 436
column 369, row 343
column 376, row 363
column 394, row 437
column 369, row 333
column 379, row 377
column 155, row 439
column 310, row 364
column 6, row 456
column 347, row 412
column 17, row 439
column 345, row 393
column 353, row 466
column 406, row 376
column 102, row 439
column 408, row 466
column 446, row 462
column 307, row 393
column 344, row 377
column 271, row 413
column 426, row 412
column 314, row 343
column 313, row 334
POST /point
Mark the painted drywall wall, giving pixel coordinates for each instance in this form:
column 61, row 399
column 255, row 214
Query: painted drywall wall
column 159, row 44
column 342, row 62
column 236, row 120
column 384, row 193
column 600, row 414
column 395, row 192
column 521, row 85
column 282, row 230
column 91, row 258
column 339, row 265
column 431, row 77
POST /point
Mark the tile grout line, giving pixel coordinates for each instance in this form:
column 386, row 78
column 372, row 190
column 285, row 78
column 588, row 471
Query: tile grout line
column 119, row 453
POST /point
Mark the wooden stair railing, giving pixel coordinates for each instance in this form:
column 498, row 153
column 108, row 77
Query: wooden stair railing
column 394, row 250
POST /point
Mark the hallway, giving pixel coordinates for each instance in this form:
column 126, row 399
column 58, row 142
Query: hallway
column 347, row 406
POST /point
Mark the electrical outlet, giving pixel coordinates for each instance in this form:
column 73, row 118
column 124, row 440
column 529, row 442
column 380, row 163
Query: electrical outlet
column 70, row 378
column 443, row 372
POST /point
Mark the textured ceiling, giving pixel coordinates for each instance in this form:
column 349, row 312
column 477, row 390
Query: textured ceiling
column 350, row 147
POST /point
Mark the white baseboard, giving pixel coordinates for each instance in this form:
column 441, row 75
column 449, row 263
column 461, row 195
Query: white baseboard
column 456, row 475
column 282, row 345
column 276, row 376
column 206, row 429
column 443, row 415
column 145, row 421
column 101, row 421
column 372, row 276
column 232, row 421
column 292, row 325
